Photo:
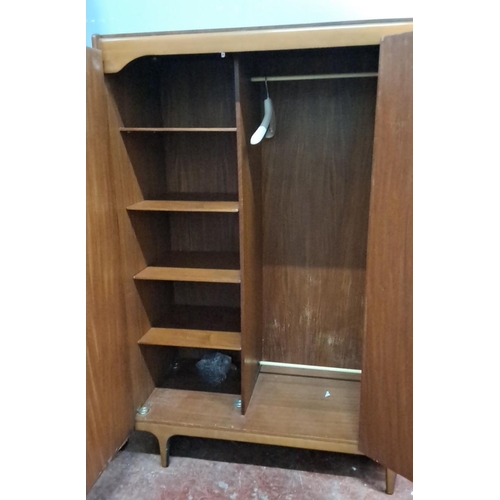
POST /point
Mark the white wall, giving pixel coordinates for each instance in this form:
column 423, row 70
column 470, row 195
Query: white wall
column 140, row 16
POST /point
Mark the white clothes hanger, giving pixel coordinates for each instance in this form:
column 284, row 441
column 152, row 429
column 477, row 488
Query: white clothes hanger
column 267, row 127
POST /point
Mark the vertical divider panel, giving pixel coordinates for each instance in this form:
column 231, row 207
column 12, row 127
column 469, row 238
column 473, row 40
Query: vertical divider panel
column 250, row 198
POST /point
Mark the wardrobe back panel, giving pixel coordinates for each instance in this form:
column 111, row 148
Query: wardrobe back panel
column 136, row 92
column 314, row 61
column 316, row 187
column 201, row 163
column 175, row 91
column 198, row 91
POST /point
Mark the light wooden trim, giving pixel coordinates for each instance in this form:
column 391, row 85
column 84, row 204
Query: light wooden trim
column 310, row 371
column 192, row 338
column 189, row 274
column 285, row 411
column 185, row 206
column 331, row 76
column 96, row 42
column 178, row 129
column 310, row 443
column 118, row 51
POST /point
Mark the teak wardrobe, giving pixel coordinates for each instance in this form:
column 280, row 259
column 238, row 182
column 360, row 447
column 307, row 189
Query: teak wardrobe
column 293, row 257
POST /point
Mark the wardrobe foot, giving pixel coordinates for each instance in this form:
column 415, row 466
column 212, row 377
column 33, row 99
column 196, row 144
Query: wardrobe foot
column 164, row 450
column 390, row 481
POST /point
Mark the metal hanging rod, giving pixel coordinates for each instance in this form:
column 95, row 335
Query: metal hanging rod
column 310, row 367
column 310, row 371
column 312, row 77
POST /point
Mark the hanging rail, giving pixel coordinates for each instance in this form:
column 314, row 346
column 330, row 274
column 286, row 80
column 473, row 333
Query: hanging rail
column 312, row 77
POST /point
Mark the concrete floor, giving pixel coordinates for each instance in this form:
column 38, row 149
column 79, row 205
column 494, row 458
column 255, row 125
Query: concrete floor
column 202, row 469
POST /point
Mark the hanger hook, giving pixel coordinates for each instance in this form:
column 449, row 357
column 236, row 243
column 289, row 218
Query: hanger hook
column 267, row 90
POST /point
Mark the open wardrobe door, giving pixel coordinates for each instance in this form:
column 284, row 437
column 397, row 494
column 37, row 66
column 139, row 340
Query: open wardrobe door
column 386, row 419
column 110, row 413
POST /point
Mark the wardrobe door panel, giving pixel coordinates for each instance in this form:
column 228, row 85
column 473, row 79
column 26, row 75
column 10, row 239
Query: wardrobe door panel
column 110, row 412
column 386, row 420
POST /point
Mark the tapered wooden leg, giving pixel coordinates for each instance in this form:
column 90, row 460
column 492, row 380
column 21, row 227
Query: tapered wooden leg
column 164, row 450
column 390, row 481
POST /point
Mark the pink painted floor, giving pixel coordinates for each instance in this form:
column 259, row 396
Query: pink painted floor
column 240, row 471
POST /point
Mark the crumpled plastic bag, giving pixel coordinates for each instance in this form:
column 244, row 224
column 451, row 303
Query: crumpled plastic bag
column 214, row 367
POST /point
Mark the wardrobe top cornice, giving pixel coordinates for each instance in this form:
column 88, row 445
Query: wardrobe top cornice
column 119, row 50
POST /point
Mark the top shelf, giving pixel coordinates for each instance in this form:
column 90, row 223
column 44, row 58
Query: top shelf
column 178, row 129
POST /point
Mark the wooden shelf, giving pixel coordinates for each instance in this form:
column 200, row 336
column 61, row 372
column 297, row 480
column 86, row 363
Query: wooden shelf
column 211, row 267
column 178, row 129
column 205, row 339
column 201, row 197
column 208, row 327
column 189, row 274
column 284, row 410
column 185, row 206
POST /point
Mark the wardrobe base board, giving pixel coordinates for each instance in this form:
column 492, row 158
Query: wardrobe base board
column 285, row 410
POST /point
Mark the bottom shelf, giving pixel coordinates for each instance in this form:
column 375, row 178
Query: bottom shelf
column 302, row 412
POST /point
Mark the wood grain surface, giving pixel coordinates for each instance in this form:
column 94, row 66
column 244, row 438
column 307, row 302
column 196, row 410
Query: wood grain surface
column 221, row 267
column 178, row 172
column 138, row 165
column 207, row 294
column 189, row 274
column 206, row 339
column 285, row 410
column 201, row 163
column 198, row 91
column 204, row 232
column 301, row 236
column 186, row 206
column 145, row 153
column 201, row 317
column 120, row 50
column 110, row 416
column 250, row 225
column 316, row 185
column 200, row 260
column 386, row 432
column 199, row 196
column 337, row 60
column 137, row 94
column 169, row 165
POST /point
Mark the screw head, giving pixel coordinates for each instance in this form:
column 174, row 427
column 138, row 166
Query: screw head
column 143, row 410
